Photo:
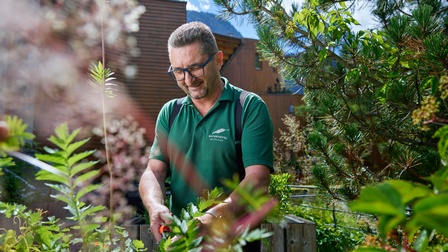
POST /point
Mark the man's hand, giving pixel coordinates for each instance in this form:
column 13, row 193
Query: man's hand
column 152, row 193
column 159, row 216
column 213, row 230
column 206, row 221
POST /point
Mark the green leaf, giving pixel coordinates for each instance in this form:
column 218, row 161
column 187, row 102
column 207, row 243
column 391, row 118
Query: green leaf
column 62, row 198
column 432, row 213
column 44, row 175
column 8, row 238
column 353, row 75
column 440, row 180
column 34, row 217
column 58, row 142
column 184, row 214
column 85, row 190
column 299, row 17
column 384, row 199
column 314, row 3
column 61, row 132
column 178, row 245
column 138, row 244
column 17, row 135
column 430, row 82
column 60, row 188
column 64, row 134
column 81, row 167
column 43, row 235
column 205, row 204
column 24, row 243
column 442, row 133
column 91, row 210
column 78, row 157
column 389, row 222
column 320, row 27
column 409, row 191
column 86, row 176
column 100, row 78
column 421, row 243
column 322, row 54
column 381, row 199
column 87, row 228
column 74, row 146
column 55, row 159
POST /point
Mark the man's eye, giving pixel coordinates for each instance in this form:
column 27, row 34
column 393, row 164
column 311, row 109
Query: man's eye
column 177, row 71
column 194, row 68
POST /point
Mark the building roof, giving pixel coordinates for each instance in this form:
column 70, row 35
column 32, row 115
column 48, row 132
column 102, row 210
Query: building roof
column 216, row 24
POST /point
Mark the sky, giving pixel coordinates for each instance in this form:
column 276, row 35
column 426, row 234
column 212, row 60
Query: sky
column 362, row 15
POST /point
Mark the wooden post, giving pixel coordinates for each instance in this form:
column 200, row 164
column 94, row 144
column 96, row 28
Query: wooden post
column 296, row 235
column 141, row 232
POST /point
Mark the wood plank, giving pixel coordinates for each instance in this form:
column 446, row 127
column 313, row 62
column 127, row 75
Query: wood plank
column 296, row 235
column 146, row 237
column 275, row 242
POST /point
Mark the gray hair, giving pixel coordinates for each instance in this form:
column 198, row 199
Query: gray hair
column 193, row 32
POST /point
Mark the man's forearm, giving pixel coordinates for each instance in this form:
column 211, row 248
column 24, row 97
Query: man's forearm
column 232, row 205
column 152, row 189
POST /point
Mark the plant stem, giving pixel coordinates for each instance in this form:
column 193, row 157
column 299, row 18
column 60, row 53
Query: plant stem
column 106, row 145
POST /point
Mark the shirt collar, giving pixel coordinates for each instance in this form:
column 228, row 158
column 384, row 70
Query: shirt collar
column 226, row 92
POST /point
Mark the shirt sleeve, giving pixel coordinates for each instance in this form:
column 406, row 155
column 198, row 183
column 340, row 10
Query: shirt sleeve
column 258, row 133
column 159, row 147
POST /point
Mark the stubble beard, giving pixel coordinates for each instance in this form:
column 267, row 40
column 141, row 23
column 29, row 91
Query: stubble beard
column 199, row 93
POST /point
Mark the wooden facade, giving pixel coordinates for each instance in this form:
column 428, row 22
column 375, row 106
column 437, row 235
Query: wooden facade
column 242, row 72
column 152, row 87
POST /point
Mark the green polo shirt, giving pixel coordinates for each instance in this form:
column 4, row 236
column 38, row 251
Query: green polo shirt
column 200, row 150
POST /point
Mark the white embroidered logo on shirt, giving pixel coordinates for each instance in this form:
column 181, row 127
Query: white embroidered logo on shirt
column 219, row 131
column 216, row 137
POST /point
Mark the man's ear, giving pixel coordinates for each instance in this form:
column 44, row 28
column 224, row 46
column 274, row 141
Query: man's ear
column 219, row 59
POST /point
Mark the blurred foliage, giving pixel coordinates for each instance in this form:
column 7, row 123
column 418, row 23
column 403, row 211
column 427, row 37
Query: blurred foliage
column 129, row 156
column 337, row 229
column 46, row 51
column 412, row 216
column 15, row 170
column 83, row 230
column 374, row 98
column 279, row 188
column 62, row 37
column 360, row 86
column 227, row 233
column 290, row 152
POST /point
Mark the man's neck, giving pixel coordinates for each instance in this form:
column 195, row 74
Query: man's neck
column 204, row 105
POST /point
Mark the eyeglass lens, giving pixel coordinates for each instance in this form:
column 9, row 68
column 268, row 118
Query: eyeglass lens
column 194, row 71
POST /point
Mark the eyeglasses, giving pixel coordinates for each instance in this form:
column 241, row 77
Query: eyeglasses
column 194, row 70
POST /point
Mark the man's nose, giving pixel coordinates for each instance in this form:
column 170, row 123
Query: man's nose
column 189, row 79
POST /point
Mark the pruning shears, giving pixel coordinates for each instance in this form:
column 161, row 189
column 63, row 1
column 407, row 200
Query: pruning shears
column 164, row 230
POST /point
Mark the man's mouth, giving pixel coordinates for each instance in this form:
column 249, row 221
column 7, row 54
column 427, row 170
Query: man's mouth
column 195, row 85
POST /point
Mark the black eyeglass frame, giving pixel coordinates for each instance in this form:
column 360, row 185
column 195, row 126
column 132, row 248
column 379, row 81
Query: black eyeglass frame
column 188, row 69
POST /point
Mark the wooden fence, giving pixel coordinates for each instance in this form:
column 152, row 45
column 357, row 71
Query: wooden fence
column 141, row 232
column 295, row 235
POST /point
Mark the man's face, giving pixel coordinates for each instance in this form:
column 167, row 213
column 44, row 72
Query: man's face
column 190, row 57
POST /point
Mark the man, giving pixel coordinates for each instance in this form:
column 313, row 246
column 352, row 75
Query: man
column 198, row 150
